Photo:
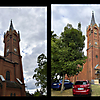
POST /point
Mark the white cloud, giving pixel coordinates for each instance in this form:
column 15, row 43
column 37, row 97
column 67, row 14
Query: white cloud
column 32, row 91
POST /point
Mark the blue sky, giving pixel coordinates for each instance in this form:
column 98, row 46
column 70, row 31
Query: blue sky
column 62, row 14
column 31, row 22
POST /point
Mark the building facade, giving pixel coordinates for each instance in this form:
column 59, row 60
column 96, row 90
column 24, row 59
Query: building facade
column 11, row 71
column 91, row 69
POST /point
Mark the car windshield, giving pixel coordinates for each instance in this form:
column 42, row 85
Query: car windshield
column 81, row 83
column 57, row 81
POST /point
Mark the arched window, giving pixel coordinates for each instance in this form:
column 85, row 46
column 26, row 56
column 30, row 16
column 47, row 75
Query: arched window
column 8, row 75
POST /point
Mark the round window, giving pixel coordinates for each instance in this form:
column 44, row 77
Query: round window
column 96, row 56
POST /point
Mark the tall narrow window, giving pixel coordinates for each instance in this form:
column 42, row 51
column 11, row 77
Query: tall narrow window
column 8, row 75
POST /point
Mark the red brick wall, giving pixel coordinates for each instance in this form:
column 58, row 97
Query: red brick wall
column 6, row 66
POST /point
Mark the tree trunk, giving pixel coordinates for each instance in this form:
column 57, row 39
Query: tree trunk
column 62, row 87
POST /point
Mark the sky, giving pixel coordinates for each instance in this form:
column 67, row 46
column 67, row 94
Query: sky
column 62, row 14
column 31, row 22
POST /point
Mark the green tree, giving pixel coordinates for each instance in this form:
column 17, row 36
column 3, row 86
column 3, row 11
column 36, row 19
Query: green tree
column 69, row 53
column 41, row 72
column 53, row 36
column 79, row 26
column 54, row 53
column 37, row 93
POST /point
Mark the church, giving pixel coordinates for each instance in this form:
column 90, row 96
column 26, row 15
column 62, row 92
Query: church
column 11, row 71
column 91, row 69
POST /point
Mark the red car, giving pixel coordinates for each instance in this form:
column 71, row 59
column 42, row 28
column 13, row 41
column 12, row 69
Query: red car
column 82, row 87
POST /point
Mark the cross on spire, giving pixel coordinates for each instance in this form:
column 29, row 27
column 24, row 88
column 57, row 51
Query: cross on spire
column 11, row 26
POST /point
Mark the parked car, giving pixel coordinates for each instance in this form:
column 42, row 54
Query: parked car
column 82, row 87
column 58, row 83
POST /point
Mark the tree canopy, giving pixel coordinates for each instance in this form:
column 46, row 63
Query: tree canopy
column 41, row 72
column 66, row 51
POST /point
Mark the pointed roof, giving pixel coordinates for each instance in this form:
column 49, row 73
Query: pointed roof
column 92, row 20
column 11, row 26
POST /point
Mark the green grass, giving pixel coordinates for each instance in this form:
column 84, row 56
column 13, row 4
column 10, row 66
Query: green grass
column 95, row 90
column 68, row 92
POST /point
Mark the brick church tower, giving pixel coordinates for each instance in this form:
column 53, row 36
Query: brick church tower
column 12, row 49
column 93, row 49
column 11, row 72
column 91, row 69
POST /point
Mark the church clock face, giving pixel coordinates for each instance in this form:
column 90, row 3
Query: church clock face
column 96, row 43
column 15, row 49
column 7, row 50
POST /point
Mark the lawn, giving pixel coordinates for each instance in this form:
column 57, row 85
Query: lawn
column 95, row 90
column 68, row 92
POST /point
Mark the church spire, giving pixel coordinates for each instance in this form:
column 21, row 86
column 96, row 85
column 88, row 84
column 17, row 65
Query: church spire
column 11, row 26
column 92, row 20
